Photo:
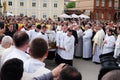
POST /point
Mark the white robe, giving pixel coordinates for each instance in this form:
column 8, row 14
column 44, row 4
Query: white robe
column 68, row 44
column 117, row 47
column 79, row 47
column 109, row 46
column 97, row 46
column 98, row 39
column 87, row 46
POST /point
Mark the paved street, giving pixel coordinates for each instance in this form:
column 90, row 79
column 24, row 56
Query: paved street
column 88, row 69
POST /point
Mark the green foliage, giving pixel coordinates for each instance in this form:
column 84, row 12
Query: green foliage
column 71, row 5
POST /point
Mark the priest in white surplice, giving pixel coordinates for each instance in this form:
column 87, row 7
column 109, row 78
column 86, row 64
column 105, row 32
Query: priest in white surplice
column 87, row 46
column 68, row 48
column 98, row 41
column 42, row 34
column 34, row 32
column 59, row 43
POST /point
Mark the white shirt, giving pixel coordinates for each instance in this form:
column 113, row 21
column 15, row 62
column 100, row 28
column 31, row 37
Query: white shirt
column 32, row 34
column 43, row 36
column 69, row 48
column 23, row 29
column 39, row 72
column 109, row 45
column 32, row 65
column 5, row 53
column 16, row 53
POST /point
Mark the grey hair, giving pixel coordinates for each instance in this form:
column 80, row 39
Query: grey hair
column 6, row 40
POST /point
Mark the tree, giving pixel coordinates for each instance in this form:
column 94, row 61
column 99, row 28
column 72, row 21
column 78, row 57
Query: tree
column 71, row 5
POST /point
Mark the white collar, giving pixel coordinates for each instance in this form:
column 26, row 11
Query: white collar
column 37, row 62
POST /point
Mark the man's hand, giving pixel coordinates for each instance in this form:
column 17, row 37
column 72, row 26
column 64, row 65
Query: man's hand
column 56, row 71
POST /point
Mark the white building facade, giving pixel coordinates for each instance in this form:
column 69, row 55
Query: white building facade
column 37, row 8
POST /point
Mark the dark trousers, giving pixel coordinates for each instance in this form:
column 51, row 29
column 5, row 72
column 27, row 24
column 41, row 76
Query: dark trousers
column 51, row 55
column 59, row 60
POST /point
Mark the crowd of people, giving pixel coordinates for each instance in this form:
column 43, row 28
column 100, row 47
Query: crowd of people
column 27, row 42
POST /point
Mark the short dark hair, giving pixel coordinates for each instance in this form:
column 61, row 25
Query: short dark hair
column 20, row 38
column 38, row 48
column 105, row 70
column 39, row 26
column 12, row 69
column 70, row 73
column 69, row 30
column 112, row 75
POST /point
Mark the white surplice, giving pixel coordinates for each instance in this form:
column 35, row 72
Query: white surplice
column 59, row 41
column 109, row 45
column 79, row 47
column 32, row 34
column 87, row 46
column 97, row 46
column 43, row 36
column 68, row 44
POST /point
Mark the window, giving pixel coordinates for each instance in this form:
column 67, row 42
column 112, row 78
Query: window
column 116, row 4
column 103, row 3
column 55, row 4
column 33, row 4
column 44, row 16
column 44, row 4
column 33, row 0
column 33, row 15
column 102, row 15
column 97, row 2
column 21, row 3
column 54, row 16
column 21, row 14
column 109, row 15
column 96, row 15
column 10, row 3
column 55, row 0
column 110, row 3
column 44, row 0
